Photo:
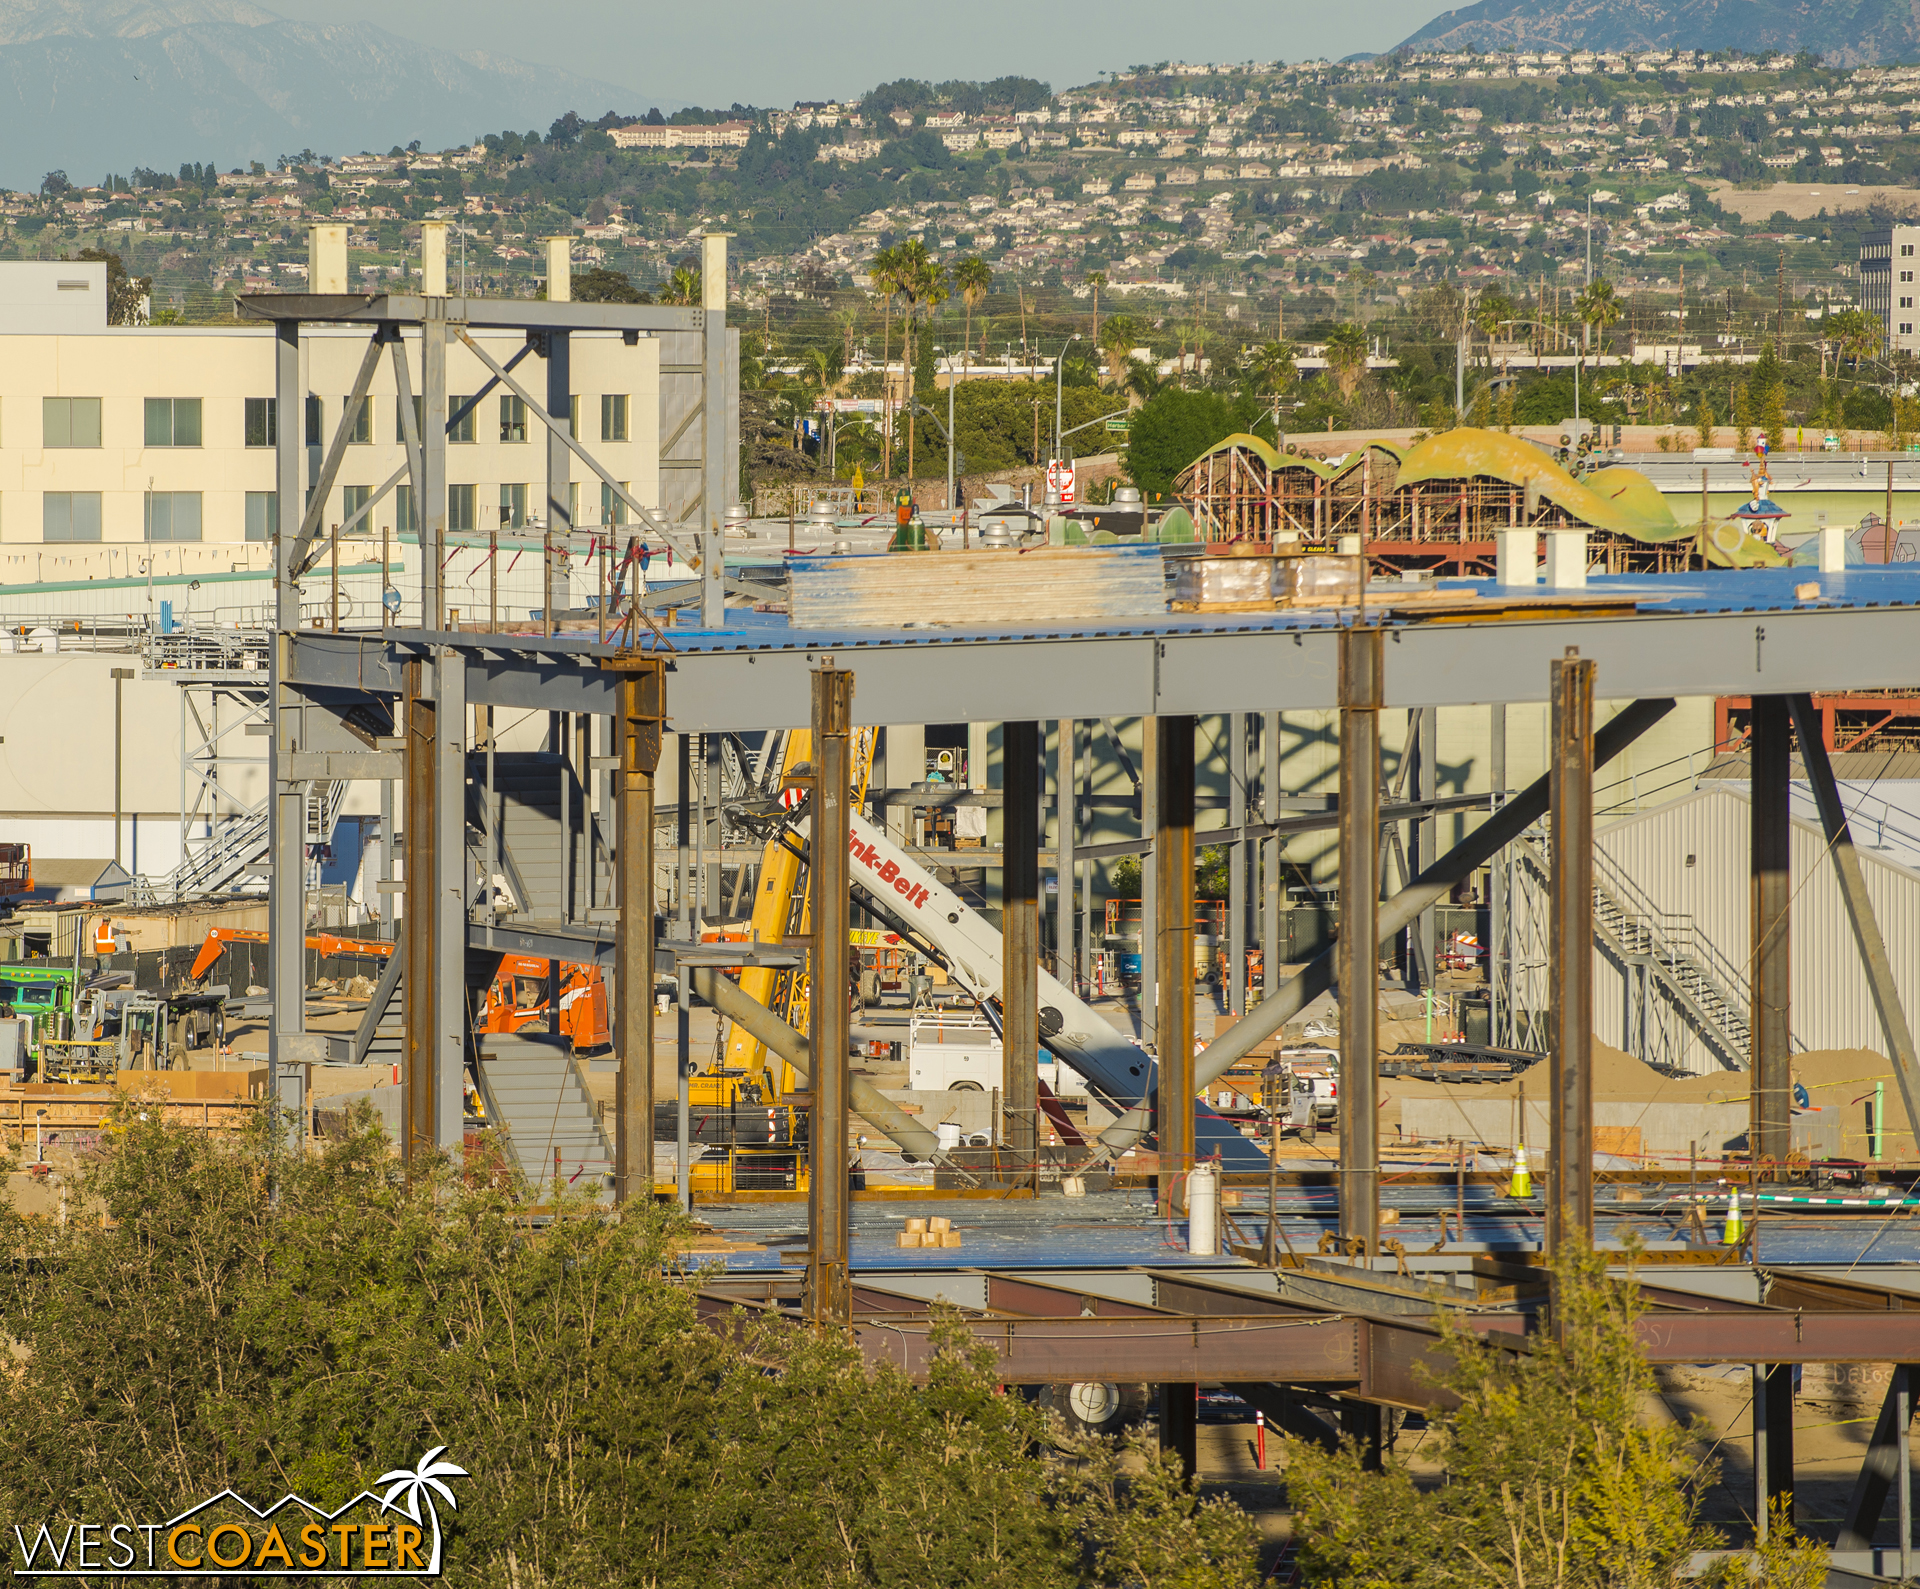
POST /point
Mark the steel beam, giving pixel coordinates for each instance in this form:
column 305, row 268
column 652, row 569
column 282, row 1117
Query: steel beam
column 1172, row 949
column 828, row 1296
column 1180, row 1424
column 559, row 465
column 1853, row 888
column 1362, row 666
column 1272, row 891
column 1770, row 1133
column 1020, row 944
column 643, row 706
column 1570, row 953
column 1422, row 787
column 489, row 314
column 1237, row 851
column 1886, row 1467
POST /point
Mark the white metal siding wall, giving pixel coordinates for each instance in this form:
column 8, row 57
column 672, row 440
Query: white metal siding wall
column 1831, row 1004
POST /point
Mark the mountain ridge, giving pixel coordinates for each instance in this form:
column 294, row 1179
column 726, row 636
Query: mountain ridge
column 99, row 85
column 1843, row 32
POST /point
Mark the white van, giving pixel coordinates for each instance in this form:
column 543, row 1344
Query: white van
column 964, row 1055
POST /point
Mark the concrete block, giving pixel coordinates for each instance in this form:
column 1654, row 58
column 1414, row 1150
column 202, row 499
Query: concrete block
column 1518, row 557
column 327, row 259
column 1567, row 559
column 1833, row 548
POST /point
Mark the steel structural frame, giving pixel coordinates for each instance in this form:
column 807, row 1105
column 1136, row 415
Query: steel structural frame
column 442, row 887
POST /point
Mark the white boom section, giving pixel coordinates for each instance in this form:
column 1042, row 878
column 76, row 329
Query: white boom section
column 1112, row 1065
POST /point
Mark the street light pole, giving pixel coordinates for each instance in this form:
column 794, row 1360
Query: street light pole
column 952, row 500
column 1059, row 380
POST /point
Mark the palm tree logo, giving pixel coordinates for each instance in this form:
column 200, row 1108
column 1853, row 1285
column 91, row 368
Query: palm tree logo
column 409, row 1488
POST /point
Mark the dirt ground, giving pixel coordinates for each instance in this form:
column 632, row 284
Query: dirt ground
column 1830, row 1441
column 1805, row 200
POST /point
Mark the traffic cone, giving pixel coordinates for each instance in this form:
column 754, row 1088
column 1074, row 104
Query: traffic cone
column 1522, row 1183
column 1731, row 1236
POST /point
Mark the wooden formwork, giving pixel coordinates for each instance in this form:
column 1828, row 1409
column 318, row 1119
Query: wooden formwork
column 1444, row 527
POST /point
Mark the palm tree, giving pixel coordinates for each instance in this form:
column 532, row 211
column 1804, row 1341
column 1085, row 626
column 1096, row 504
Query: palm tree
column 1347, row 349
column 1855, row 334
column 822, row 366
column 922, row 281
column 682, row 288
column 884, row 272
column 974, row 277
column 1122, row 335
column 420, row 1484
column 1597, row 307
column 1096, row 279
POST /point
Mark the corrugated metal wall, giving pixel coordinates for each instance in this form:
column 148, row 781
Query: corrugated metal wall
column 1690, row 858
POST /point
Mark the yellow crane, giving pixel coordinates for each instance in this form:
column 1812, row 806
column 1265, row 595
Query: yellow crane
column 780, row 915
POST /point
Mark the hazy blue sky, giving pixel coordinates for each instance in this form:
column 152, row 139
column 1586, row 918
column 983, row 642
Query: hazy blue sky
column 759, row 52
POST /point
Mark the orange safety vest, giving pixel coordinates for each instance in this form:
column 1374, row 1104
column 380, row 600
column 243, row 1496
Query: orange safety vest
column 103, row 937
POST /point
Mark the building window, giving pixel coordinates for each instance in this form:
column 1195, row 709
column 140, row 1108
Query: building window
column 513, row 419
column 70, row 516
column 263, row 422
column 352, row 500
column 1906, row 303
column 613, row 507
column 1906, row 251
column 1906, row 328
column 362, row 419
column 403, row 508
column 1906, row 275
column 613, row 417
column 70, row 422
column 513, row 507
column 460, row 509
column 573, row 416
column 460, row 412
column 316, row 422
column 419, row 420
column 573, row 504
column 173, row 422
column 173, row 515
column 263, row 511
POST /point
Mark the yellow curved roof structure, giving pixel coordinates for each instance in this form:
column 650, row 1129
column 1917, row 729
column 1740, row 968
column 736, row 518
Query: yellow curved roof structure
column 1274, row 458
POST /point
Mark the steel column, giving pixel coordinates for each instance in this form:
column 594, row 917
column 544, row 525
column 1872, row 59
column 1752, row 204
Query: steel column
column 1424, row 785
column 1570, row 952
column 1149, row 881
column 1364, row 1423
column 718, row 470
column 1273, row 893
column 1020, row 943
column 1772, row 1442
column 1237, row 851
column 642, row 709
column 1180, row 1424
column 1173, row 951
column 1066, row 814
column 1853, row 888
column 452, row 881
column 1770, row 1134
column 558, row 349
column 423, row 963
column 430, row 524
column 1362, row 666
column 287, row 805
column 1496, row 945
column 829, row 1295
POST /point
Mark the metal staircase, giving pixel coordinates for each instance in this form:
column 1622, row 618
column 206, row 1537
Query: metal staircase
column 538, row 1100
column 1679, row 983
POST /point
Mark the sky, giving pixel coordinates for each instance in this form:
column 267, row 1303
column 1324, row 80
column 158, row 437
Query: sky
column 759, row 52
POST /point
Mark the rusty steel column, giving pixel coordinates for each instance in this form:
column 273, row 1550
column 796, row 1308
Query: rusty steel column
column 1358, row 958
column 640, row 701
column 1173, row 951
column 1020, row 945
column 1570, row 955
column 829, row 1295
column 1770, row 1134
column 416, row 1125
